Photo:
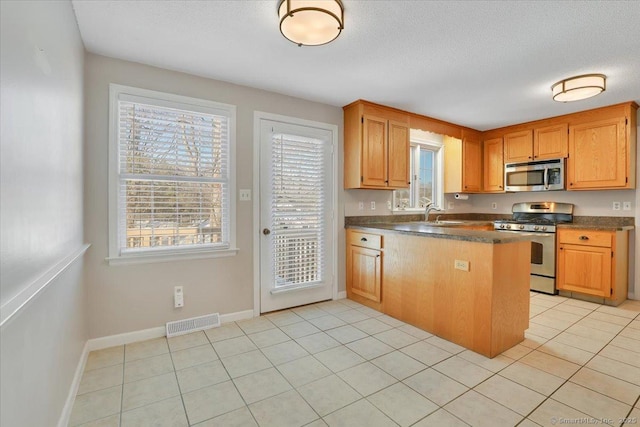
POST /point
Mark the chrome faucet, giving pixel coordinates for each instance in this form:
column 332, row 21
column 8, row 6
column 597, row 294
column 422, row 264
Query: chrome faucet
column 430, row 207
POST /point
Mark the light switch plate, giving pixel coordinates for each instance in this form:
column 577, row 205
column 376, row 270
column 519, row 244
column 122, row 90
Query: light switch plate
column 373, row 206
column 626, row 206
column 245, row 195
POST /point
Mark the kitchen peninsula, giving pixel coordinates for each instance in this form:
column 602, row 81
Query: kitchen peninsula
column 467, row 286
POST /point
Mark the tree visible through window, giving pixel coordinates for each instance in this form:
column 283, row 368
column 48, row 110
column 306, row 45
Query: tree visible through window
column 426, row 173
column 173, row 176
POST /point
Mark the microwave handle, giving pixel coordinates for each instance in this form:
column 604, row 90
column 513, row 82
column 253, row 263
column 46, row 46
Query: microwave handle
column 546, row 178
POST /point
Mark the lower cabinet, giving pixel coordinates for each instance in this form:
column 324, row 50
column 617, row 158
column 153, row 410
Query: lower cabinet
column 593, row 263
column 364, row 268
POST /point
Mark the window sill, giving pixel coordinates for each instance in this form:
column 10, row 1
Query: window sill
column 148, row 258
column 407, row 211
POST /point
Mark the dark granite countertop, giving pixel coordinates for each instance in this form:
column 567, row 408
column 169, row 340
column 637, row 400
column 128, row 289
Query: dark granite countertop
column 453, row 231
column 600, row 223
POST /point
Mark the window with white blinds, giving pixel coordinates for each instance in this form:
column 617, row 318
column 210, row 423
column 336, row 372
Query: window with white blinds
column 298, row 209
column 173, row 190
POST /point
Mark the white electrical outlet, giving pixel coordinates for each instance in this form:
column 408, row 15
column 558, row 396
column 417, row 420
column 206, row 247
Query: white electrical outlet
column 461, row 265
column 449, row 205
column 178, row 297
column 360, row 206
column 373, row 206
column 494, row 205
column 626, row 206
column 616, row 206
column 389, row 204
column 245, row 195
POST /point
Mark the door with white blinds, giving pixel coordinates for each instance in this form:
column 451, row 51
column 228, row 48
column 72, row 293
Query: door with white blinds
column 296, row 198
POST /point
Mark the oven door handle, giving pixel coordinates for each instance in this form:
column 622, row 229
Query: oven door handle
column 546, row 178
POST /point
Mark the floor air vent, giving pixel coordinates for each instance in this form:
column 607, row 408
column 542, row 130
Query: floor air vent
column 186, row 326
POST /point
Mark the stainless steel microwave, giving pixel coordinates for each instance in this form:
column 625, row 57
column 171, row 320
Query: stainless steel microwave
column 543, row 175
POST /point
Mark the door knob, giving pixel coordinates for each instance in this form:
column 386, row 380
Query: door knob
column 266, row 231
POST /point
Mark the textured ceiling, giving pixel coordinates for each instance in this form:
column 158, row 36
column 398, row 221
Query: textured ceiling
column 482, row 64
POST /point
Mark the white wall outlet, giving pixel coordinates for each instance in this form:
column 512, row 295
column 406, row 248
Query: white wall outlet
column 461, row 265
column 626, row 206
column 616, row 206
column 449, row 205
column 360, row 206
column 389, row 205
column 178, row 297
column 373, row 206
column 494, row 205
column 245, row 195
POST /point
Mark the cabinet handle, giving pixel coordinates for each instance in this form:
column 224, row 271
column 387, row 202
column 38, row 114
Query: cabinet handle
column 364, row 239
column 378, row 256
column 583, row 237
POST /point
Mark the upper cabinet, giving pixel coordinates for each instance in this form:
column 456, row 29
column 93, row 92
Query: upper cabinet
column 546, row 142
column 376, row 147
column 599, row 153
column 471, row 162
column 463, row 164
column 518, row 146
column 550, row 142
column 493, row 176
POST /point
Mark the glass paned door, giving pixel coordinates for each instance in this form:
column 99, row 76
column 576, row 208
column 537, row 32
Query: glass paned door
column 295, row 209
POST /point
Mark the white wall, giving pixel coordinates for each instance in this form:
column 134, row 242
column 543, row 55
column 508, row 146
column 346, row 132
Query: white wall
column 133, row 297
column 40, row 208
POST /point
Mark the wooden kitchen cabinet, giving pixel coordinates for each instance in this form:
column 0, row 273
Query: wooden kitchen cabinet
column 518, row 146
column 493, row 176
column 364, row 268
column 598, row 155
column 551, row 142
column 546, row 142
column 463, row 164
column 593, row 263
column 376, row 147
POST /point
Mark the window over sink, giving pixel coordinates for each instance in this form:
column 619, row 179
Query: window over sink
column 427, row 174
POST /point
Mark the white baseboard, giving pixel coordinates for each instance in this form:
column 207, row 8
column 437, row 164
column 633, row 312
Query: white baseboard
column 157, row 332
column 126, row 338
column 75, row 384
column 238, row 315
column 342, row 295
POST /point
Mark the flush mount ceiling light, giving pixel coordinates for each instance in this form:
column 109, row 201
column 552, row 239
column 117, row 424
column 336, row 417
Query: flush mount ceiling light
column 579, row 87
column 311, row 22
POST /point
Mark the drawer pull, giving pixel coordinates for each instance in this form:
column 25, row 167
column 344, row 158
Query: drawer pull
column 364, row 239
column 378, row 256
column 583, row 237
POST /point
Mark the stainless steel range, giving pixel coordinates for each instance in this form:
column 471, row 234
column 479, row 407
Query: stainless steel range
column 539, row 220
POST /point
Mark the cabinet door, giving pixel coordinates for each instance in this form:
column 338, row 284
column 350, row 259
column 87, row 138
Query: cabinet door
column 398, row 155
column 493, row 171
column 518, row 146
column 551, row 142
column 585, row 269
column 597, row 155
column 471, row 164
column 363, row 272
column 374, row 151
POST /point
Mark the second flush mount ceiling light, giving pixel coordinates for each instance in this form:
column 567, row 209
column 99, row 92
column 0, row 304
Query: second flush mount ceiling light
column 311, row 22
column 579, row 87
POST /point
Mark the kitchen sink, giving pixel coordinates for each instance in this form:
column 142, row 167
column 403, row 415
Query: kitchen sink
column 437, row 223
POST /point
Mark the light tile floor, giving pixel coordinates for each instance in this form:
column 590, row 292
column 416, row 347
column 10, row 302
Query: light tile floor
column 339, row 363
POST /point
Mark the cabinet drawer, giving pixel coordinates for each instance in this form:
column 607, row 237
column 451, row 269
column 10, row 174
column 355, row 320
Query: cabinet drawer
column 365, row 240
column 585, row 237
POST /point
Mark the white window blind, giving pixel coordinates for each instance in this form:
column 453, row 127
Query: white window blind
column 298, row 210
column 173, row 176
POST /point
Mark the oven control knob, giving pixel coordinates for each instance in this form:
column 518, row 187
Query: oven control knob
column 508, row 226
column 544, row 228
column 502, row 226
column 521, row 227
column 536, row 227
